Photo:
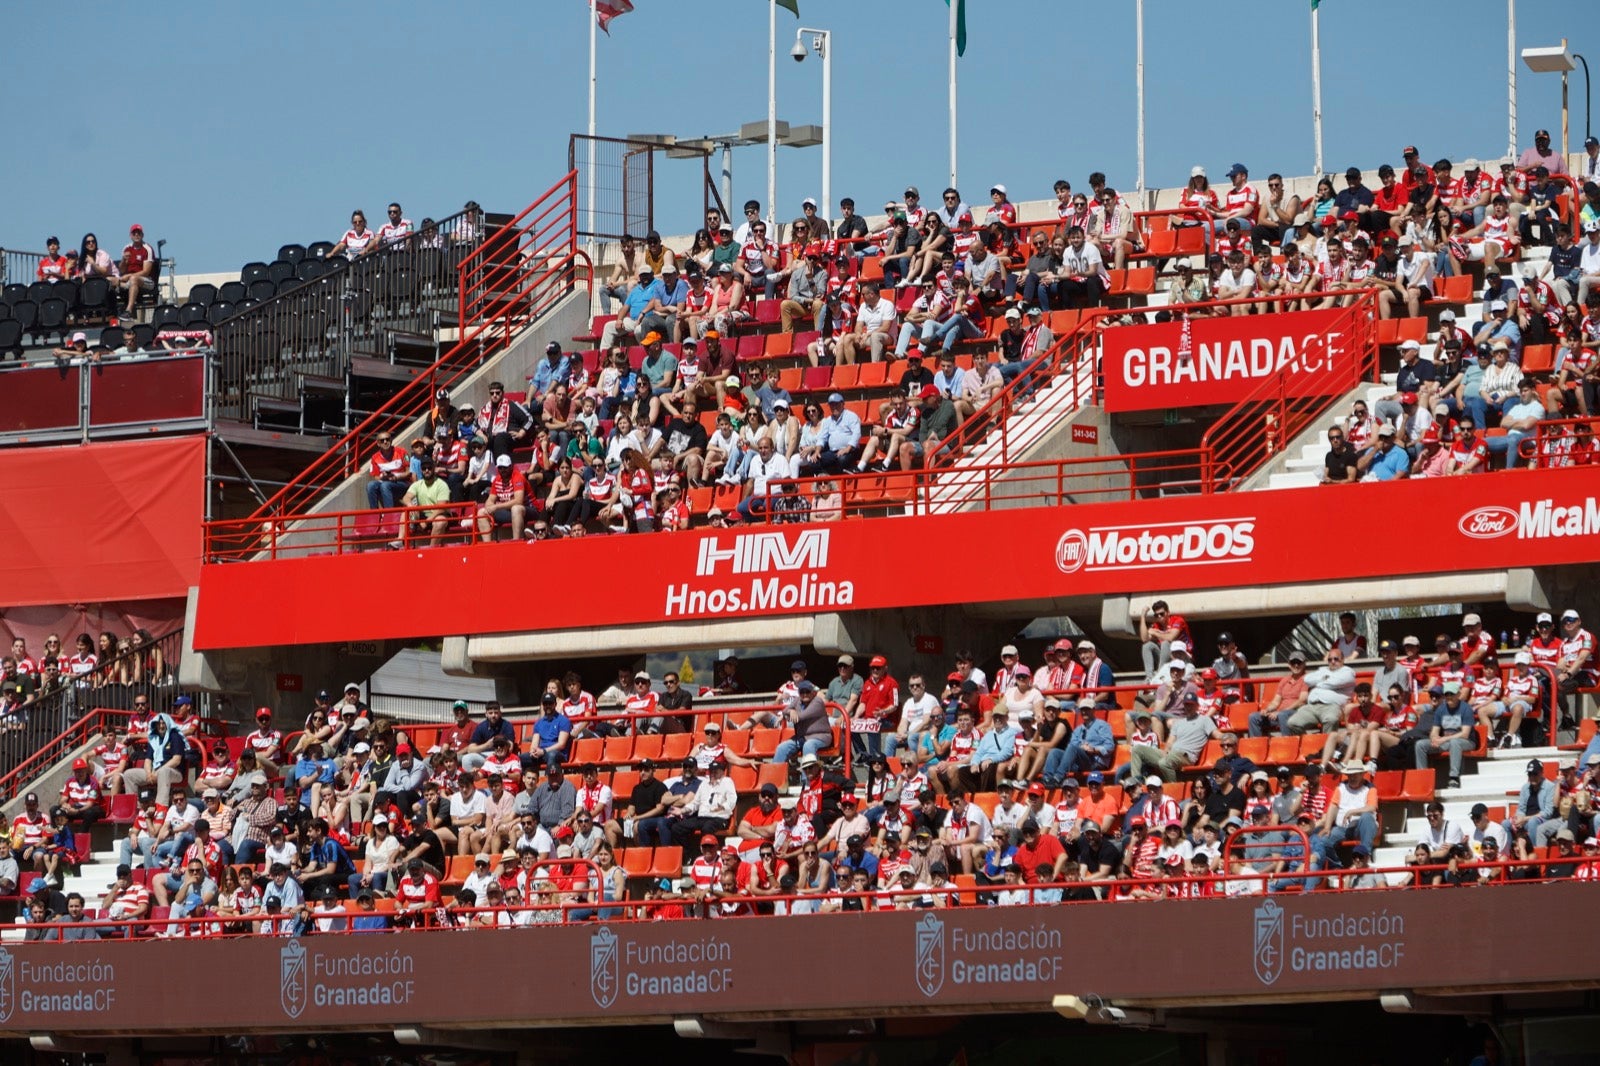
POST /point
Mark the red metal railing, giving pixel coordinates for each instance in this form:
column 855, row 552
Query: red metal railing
column 518, row 272
column 1562, row 442
column 694, row 904
column 1263, row 424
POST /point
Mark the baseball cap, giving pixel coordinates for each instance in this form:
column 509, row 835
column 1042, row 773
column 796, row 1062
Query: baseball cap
column 1353, row 767
column 1534, row 767
column 836, row 397
column 1472, row 620
column 929, row 392
column 1522, row 658
column 80, row 764
column 1154, row 779
column 809, row 760
column 1009, row 649
column 878, row 660
column 1012, row 312
column 1096, row 778
column 1569, row 615
column 1237, row 169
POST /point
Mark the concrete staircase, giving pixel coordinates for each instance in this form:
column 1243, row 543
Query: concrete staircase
column 1305, row 469
column 1493, row 782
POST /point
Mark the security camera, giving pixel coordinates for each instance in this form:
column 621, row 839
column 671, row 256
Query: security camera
column 798, row 52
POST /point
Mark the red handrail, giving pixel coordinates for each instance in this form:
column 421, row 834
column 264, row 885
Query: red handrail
column 1263, row 423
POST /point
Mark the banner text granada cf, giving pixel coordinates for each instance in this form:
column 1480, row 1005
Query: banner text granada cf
column 1513, row 519
column 1228, row 359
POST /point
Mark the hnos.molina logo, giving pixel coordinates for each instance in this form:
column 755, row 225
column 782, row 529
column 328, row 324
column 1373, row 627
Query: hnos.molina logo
column 1486, row 523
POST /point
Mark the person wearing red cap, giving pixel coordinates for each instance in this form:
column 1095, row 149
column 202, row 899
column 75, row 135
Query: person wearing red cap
column 1432, row 460
column 81, row 798
column 878, row 710
column 266, row 742
column 937, row 422
column 136, row 272
column 808, row 281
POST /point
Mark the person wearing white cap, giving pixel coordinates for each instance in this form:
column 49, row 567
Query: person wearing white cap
column 1518, row 699
column 1575, row 669
column 1352, row 812
column 1414, row 376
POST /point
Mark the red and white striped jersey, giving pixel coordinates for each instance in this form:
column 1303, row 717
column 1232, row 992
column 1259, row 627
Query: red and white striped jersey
column 266, row 743
column 30, row 831
column 787, row 837
column 1485, row 688
column 675, row 517
column 80, row 665
column 131, row 900
column 77, row 792
column 1004, row 212
column 1575, row 645
column 1522, row 686
column 393, row 463
column 1244, row 197
column 503, row 487
column 390, row 232
column 601, row 486
column 409, row 893
column 356, row 243
column 647, row 703
column 961, row 746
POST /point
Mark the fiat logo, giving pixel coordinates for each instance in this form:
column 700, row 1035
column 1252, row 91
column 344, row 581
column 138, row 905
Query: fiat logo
column 1072, row 551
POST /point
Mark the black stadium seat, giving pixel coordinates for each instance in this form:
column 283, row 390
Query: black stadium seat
column 14, row 292
column 94, row 297
column 52, row 318
column 165, row 316
column 263, row 289
column 5, row 311
column 144, row 334
column 204, row 294
column 281, row 271
column 219, row 311
column 39, row 290
column 310, row 269
column 232, row 292
column 253, row 272
column 319, row 250
column 112, row 337
column 292, row 253
column 192, row 314
column 25, row 312
column 10, row 336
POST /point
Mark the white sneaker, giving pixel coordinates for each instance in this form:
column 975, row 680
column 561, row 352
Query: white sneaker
column 1516, row 740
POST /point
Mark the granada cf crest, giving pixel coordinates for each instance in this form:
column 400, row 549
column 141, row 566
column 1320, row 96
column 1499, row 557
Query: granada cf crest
column 8, row 985
column 930, row 954
column 1268, row 941
column 603, row 981
column 292, row 978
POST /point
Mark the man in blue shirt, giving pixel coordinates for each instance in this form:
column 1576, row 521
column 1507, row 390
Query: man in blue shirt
column 841, row 440
column 310, row 771
column 553, row 369
column 1090, row 747
column 997, row 746
column 662, row 315
column 1521, row 419
column 631, row 320
column 327, row 863
column 1386, row 462
column 552, row 733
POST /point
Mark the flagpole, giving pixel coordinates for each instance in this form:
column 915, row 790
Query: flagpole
column 1511, row 75
column 1316, row 88
column 594, row 22
column 1138, row 66
column 772, row 117
column 954, row 8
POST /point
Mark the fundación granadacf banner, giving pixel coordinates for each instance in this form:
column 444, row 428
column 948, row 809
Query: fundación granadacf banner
column 1150, row 368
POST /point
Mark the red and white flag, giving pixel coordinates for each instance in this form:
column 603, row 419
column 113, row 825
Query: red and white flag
column 1185, row 345
column 606, row 10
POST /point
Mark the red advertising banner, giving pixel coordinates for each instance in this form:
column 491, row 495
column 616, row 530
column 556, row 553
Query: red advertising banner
column 1520, row 518
column 1146, row 368
column 153, row 390
column 103, row 522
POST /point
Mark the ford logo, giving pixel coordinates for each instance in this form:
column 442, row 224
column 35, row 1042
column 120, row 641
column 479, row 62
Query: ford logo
column 1486, row 523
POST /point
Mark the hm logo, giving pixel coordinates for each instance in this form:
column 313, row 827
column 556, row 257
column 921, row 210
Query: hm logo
column 758, row 553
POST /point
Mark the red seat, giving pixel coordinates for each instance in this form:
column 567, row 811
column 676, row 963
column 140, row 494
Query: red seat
column 674, row 746
column 123, row 809
column 767, row 312
column 751, row 347
column 789, row 379
column 816, row 378
column 618, row 750
column 667, row 862
column 588, row 749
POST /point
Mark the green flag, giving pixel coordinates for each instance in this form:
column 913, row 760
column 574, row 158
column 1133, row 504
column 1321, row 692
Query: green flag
column 961, row 24
column 1314, row 4
column 792, row 5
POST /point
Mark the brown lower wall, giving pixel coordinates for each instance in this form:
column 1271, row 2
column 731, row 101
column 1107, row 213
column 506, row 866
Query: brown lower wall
column 969, row 960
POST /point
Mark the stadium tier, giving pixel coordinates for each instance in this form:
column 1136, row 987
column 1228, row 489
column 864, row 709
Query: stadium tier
column 1073, row 580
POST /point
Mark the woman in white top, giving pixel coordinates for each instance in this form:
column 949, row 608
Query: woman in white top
column 382, row 848
column 357, row 240
column 784, row 429
column 1021, row 695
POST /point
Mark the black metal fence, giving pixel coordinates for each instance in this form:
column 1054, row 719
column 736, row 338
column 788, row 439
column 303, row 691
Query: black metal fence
column 318, row 311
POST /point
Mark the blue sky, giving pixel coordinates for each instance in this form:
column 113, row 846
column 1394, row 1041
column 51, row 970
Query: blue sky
column 269, row 123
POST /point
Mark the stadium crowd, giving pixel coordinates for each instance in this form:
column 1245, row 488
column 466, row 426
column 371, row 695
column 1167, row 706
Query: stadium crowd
column 999, row 788
column 957, row 300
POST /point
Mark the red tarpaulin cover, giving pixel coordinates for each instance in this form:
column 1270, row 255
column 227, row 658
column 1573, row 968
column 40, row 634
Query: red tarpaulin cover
column 102, row 522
